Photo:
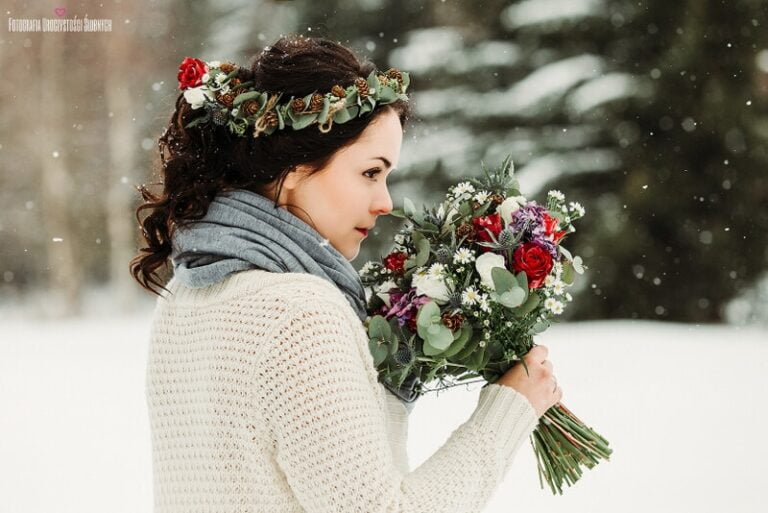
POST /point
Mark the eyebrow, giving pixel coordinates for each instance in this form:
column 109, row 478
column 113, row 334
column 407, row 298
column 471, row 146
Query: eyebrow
column 386, row 162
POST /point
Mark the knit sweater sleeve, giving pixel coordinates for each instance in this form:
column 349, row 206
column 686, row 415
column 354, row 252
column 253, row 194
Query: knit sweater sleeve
column 320, row 397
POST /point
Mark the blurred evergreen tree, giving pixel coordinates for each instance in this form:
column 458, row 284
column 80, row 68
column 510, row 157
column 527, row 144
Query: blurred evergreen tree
column 651, row 114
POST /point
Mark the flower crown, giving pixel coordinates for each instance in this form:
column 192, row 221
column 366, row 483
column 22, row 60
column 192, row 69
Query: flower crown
column 228, row 100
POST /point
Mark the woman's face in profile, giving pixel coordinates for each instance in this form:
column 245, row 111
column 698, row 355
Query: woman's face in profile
column 351, row 191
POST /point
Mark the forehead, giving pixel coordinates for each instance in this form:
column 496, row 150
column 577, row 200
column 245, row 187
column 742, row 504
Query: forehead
column 382, row 138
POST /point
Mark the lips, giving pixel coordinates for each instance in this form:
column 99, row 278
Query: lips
column 364, row 231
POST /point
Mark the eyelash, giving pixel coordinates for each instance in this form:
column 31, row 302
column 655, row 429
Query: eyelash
column 375, row 171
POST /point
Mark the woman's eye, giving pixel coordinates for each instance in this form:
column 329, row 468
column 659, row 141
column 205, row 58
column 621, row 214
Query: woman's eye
column 372, row 172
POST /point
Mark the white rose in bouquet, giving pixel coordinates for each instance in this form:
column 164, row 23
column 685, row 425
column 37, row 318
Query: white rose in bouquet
column 431, row 285
column 484, row 264
column 509, row 206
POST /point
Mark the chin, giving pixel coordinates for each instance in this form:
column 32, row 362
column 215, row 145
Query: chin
column 352, row 253
column 349, row 252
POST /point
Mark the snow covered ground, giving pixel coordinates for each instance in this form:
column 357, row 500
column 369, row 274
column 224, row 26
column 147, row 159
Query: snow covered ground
column 680, row 404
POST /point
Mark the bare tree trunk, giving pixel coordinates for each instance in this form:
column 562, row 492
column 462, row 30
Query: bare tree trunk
column 122, row 146
column 64, row 269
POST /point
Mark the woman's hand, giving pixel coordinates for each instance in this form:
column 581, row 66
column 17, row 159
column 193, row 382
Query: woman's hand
column 540, row 386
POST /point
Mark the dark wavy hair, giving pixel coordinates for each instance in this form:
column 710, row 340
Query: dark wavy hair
column 199, row 162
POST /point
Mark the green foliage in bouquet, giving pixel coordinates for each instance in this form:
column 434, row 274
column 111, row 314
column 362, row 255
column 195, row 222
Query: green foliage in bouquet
column 465, row 289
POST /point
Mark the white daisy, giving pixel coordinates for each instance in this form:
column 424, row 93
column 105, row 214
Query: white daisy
column 577, row 207
column 436, row 270
column 366, row 268
column 550, row 280
column 557, row 268
column 470, row 296
column 482, row 196
column 214, row 64
column 556, row 194
column 554, row 306
column 484, row 306
column 463, row 256
column 558, row 287
column 463, row 187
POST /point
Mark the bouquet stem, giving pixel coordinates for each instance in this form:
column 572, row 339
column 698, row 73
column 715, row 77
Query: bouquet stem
column 562, row 443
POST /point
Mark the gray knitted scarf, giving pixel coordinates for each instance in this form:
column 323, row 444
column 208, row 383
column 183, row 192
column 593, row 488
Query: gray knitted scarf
column 243, row 230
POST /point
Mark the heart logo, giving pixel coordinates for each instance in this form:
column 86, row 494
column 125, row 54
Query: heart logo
column 60, row 11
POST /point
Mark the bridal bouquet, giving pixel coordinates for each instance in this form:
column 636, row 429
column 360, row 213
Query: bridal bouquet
column 467, row 286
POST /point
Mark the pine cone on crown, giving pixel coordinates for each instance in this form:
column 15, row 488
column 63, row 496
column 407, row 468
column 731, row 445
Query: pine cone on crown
column 497, row 198
column 395, row 74
column 226, row 99
column 251, row 107
column 298, row 104
column 271, row 118
column 316, row 103
column 227, row 67
column 338, row 91
column 362, row 88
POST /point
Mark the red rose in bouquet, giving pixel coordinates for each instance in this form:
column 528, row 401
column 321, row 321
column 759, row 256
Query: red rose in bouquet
column 484, row 224
column 191, row 73
column 395, row 261
column 535, row 261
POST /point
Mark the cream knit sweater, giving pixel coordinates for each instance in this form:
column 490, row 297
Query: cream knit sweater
column 263, row 398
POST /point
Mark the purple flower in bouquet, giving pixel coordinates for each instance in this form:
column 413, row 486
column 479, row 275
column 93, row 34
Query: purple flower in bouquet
column 529, row 219
column 405, row 306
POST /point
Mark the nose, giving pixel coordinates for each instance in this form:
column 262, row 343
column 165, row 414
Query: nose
column 382, row 204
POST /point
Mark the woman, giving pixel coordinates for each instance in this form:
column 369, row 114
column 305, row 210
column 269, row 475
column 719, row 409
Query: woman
column 262, row 393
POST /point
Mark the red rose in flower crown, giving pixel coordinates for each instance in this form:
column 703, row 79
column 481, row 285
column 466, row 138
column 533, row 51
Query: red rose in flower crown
column 550, row 225
column 491, row 222
column 191, row 73
column 535, row 261
column 395, row 261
